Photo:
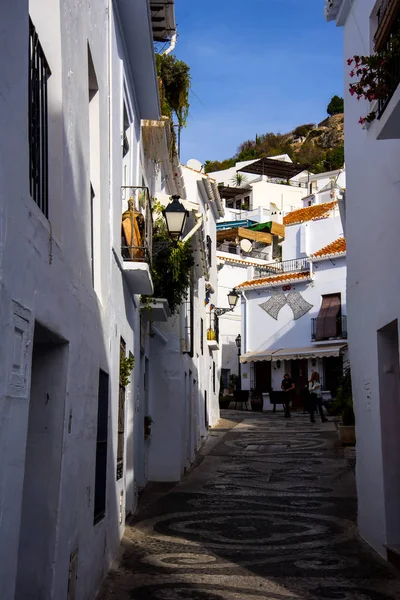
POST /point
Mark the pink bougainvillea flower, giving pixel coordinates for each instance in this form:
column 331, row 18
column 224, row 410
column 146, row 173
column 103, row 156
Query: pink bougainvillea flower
column 361, row 121
column 352, row 92
column 350, row 61
column 351, row 73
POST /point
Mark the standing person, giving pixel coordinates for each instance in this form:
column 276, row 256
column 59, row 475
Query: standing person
column 287, row 387
column 316, row 397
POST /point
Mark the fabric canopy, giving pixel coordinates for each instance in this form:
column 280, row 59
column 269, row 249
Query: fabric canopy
column 319, row 350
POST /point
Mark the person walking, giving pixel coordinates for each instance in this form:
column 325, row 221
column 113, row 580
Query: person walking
column 287, row 387
column 316, row 397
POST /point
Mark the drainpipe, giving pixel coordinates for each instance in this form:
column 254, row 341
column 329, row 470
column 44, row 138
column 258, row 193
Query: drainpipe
column 172, row 45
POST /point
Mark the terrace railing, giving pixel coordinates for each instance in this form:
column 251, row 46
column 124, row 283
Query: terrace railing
column 294, row 265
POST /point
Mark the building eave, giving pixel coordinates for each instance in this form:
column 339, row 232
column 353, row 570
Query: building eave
column 328, row 256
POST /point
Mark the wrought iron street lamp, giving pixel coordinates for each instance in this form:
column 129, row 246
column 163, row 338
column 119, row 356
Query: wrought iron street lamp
column 175, row 215
column 238, row 342
column 233, row 298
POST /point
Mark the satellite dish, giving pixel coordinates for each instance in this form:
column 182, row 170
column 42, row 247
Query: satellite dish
column 246, row 245
column 194, row 164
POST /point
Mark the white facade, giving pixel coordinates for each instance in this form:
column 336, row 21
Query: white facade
column 68, row 297
column 262, row 191
column 372, row 216
column 184, row 388
column 304, row 277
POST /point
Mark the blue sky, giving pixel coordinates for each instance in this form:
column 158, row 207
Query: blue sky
column 256, row 66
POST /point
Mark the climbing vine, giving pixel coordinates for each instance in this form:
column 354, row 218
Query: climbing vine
column 126, row 366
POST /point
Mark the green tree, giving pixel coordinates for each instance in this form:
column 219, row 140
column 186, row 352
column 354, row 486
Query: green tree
column 334, row 158
column 335, row 106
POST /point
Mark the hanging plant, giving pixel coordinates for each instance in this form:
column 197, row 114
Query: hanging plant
column 375, row 75
column 126, row 366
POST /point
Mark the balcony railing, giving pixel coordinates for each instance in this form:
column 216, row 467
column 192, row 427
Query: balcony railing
column 137, row 225
column 385, row 38
column 329, row 328
column 286, row 266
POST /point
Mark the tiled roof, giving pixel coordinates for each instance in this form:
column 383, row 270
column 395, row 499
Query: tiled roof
column 272, row 279
column 336, row 247
column 317, row 211
column 238, row 260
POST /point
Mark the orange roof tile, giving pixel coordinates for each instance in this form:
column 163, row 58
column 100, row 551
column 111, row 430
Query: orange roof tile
column 287, row 277
column 317, row 211
column 336, row 247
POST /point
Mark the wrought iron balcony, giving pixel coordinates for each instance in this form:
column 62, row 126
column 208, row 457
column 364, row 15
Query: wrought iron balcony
column 137, row 225
column 329, row 328
column 294, row 265
column 136, row 239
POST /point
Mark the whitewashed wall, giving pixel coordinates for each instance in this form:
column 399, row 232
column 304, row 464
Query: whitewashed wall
column 54, row 288
column 180, row 383
column 372, row 217
column 307, row 238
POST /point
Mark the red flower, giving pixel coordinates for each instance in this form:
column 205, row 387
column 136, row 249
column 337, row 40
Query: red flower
column 351, row 73
column 361, row 121
column 352, row 92
column 350, row 61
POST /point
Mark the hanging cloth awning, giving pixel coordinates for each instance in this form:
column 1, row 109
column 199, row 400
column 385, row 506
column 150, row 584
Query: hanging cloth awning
column 328, row 316
column 317, row 351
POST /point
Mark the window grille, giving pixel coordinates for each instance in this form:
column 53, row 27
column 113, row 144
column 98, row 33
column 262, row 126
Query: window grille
column 39, row 72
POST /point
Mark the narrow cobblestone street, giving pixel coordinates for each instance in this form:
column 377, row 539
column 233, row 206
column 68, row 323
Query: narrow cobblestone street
column 269, row 513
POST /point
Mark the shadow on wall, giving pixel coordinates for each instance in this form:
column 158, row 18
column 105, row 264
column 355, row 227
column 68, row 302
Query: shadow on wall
column 70, row 461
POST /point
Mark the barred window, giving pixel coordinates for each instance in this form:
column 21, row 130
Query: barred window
column 39, row 72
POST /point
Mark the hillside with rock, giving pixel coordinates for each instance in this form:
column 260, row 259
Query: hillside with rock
column 321, row 146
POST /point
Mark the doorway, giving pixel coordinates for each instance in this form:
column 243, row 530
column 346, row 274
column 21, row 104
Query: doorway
column 299, row 374
column 262, row 377
column 333, row 369
column 389, row 392
column 40, row 499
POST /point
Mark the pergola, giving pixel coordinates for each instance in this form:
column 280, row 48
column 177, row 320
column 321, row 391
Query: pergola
column 228, row 193
column 274, row 168
column 242, row 233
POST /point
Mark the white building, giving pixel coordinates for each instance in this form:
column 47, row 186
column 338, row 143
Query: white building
column 273, row 184
column 183, row 397
column 294, row 311
column 76, row 119
column 372, row 217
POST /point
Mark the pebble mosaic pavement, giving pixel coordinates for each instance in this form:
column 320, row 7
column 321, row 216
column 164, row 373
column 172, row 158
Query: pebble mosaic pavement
column 268, row 514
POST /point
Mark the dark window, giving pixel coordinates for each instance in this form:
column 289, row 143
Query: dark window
column 328, row 324
column 189, row 320
column 121, row 418
column 125, row 141
column 225, row 378
column 213, row 377
column 201, row 335
column 101, row 449
column 39, row 72
column 209, row 251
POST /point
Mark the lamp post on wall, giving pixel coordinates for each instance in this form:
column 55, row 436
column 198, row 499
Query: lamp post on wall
column 233, row 298
column 238, row 342
column 175, row 215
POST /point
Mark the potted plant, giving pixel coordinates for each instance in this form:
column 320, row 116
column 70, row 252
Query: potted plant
column 233, row 380
column 343, row 406
column 256, row 401
column 147, row 425
column 224, row 401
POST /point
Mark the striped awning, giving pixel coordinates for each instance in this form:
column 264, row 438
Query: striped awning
column 316, row 351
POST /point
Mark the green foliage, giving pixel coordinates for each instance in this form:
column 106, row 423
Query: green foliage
column 335, row 106
column 302, row 130
column 315, row 133
column 126, row 366
column 343, row 404
column 175, row 81
column 334, row 158
column 216, row 165
column 239, row 180
column 171, row 266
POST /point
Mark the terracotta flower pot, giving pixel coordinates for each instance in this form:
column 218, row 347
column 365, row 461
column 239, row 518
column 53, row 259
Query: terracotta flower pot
column 347, row 434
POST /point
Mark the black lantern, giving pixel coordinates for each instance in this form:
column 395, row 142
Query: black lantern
column 238, row 342
column 175, row 215
column 233, row 298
